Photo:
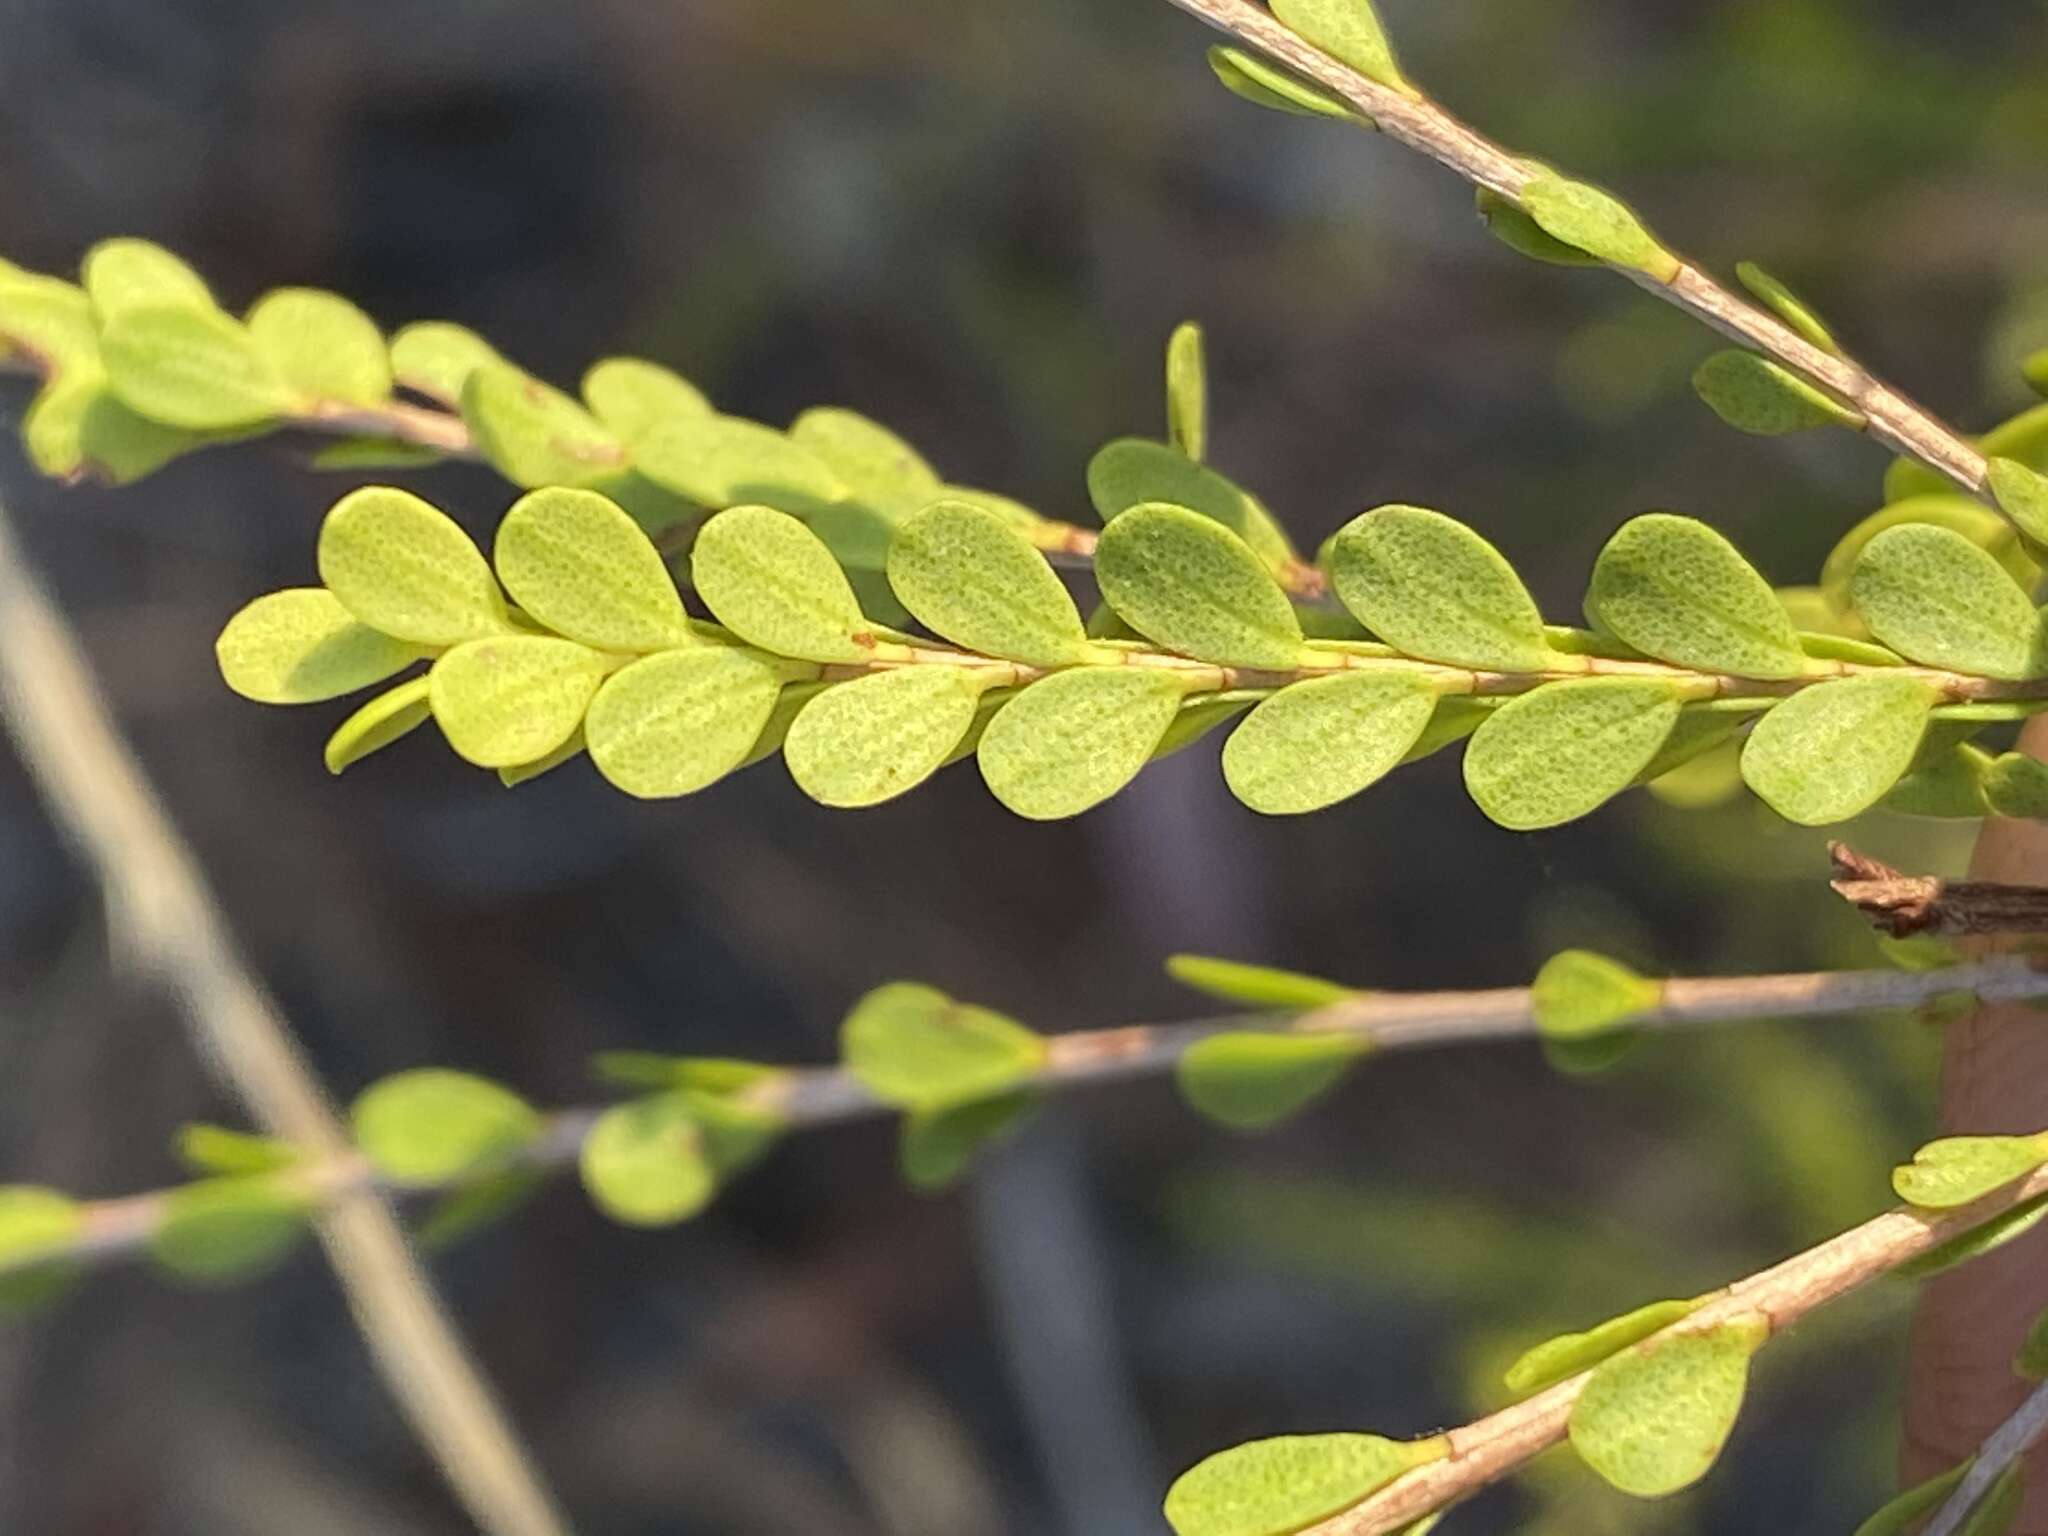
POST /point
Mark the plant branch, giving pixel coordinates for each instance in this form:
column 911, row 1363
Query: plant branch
column 1903, row 905
column 2005, row 1445
column 811, row 1097
column 1890, row 418
column 161, row 913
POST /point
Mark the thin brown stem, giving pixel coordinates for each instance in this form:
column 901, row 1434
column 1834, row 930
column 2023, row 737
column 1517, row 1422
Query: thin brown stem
column 1903, row 905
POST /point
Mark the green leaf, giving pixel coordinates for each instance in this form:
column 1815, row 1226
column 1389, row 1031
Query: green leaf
column 1193, row 586
column 1187, row 391
column 675, row 722
column 1255, row 986
column 1558, row 1359
column 862, row 742
column 531, row 432
column 1578, row 994
column 1348, row 31
column 1597, row 223
column 1754, row 394
column 727, row 461
column 1958, row 1169
column 1265, row 84
column 1279, row 1486
column 513, row 698
column 1457, row 717
column 1198, row 716
column 2017, row 785
column 435, row 358
column 916, row 1048
column 1135, row 472
column 512, row 775
column 1315, row 743
column 866, row 456
column 719, row 1076
column 354, row 453
column 301, row 646
column 1978, row 1241
column 322, row 345
column 193, row 368
column 1074, row 739
column 2031, row 1361
column 431, row 1126
column 1786, row 304
column 1506, row 221
column 1932, row 595
column 1946, row 780
column 1903, row 1514
column 216, row 1149
column 1431, row 587
column 967, row 574
column 1675, row 589
column 772, row 582
column 1248, row 1080
column 660, row 1159
column 51, row 321
column 219, row 1230
column 474, row 1205
column 1960, row 514
column 634, row 397
column 126, row 273
column 388, row 717
column 1832, row 751
column 2022, row 494
column 1554, row 754
column 37, row 1229
column 406, row 568
column 1652, row 1420
column 583, row 568
column 936, row 1145
column 77, row 426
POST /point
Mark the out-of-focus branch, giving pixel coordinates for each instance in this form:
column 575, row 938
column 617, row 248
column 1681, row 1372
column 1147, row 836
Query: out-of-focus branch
column 167, row 924
column 2006, row 1445
column 1903, row 905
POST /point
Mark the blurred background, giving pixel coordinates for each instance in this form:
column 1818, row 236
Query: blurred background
column 977, row 221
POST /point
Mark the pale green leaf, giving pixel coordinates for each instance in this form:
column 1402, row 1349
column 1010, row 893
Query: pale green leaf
column 1578, row 994
column 970, row 576
column 1978, row 1241
column 772, row 582
column 728, row 461
column 78, row 426
column 1198, row 716
column 1266, row 84
column 1932, row 595
column 1958, row 1169
column 912, row 1046
column 862, row 742
column 357, row 453
column 322, row 345
column 193, row 368
column 1754, row 394
column 1315, row 743
column 1653, row 1420
column 1276, row 1487
column 301, row 646
column 1555, row 1360
column 1508, row 223
column 37, row 1229
column 1556, row 753
column 126, row 273
column 406, row 568
column 1348, row 31
column 1831, row 751
column 1193, row 586
column 512, row 775
column 574, row 561
column 216, row 1149
column 1135, row 471
column 1248, row 1080
column 1946, row 780
column 1074, row 739
column 1255, row 986
column 1187, row 391
column 50, row 320
column 473, row 1205
column 219, row 1230
column 1431, row 587
column 1457, row 717
column 866, row 456
column 2017, row 785
column 531, row 432
column 660, row 1159
column 435, row 358
column 1904, row 1514
column 1008, row 508
column 2022, row 494
column 1786, row 304
column 936, row 1145
column 634, row 397
column 387, row 718
column 430, row 1125
column 512, row 698
column 1673, row 588
column 672, row 723
column 1960, row 514
column 1597, row 223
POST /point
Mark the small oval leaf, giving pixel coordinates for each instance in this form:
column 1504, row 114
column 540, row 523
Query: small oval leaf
column 1579, row 994
column 912, row 1046
column 1557, row 1359
column 1833, row 750
column 322, row 345
column 406, row 568
column 867, row 457
column 385, row 719
column 37, row 1229
column 675, row 722
column 574, row 561
column 1248, row 1080
column 1278, row 1486
column 1597, row 223
column 435, row 358
column 937, row 1145
column 728, row 461
column 1431, row 587
column 1255, row 986
column 193, row 368
column 1193, row 586
column 1315, row 743
column 126, row 273
column 531, row 432
column 1135, row 471
column 301, row 646
column 967, row 574
column 1348, row 31
column 1187, row 391
column 1552, row 755
column 1754, row 394
column 1653, row 1420
column 634, row 397
column 872, row 739
column 1935, row 597
column 1675, row 589
column 431, row 1126
column 1074, row 739
column 1265, row 84
column 513, row 698
column 1958, row 1169
column 772, row 582
column 219, row 1230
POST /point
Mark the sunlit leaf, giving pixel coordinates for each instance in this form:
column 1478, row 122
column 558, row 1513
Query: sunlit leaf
column 1187, row 391
column 1249, row 1080
column 1831, row 751
column 1135, row 472
column 430, row 1125
column 1266, row 84
column 1276, row 1487
column 301, row 646
column 1555, row 1360
column 1755, row 394
column 1932, row 595
column 970, row 576
column 937, row 1145
column 216, row 1149
column 126, row 273
column 1960, row 514
column 1255, row 986
column 1673, row 588
column 1786, row 304
column 1076, row 738
column 1578, row 994
column 1348, row 31
column 869, row 740
column 583, row 568
column 1597, row 223
column 323, row 345
column 531, row 432
column 512, row 698
column 633, row 396
column 1315, row 743
column 1508, row 223
column 660, row 1159
column 727, row 461
column 2022, row 494
column 385, row 719
column 1653, row 1419
column 1431, row 587
column 866, row 456
column 50, row 320
column 1193, row 586
column 194, row 368
column 912, row 1046
column 771, row 581
column 406, row 568
column 672, row 723
column 436, row 358
column 1958, row 1169
column 1554, row 754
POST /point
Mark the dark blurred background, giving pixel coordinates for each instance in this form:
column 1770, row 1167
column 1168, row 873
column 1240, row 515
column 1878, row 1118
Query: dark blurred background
column 977, row 220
